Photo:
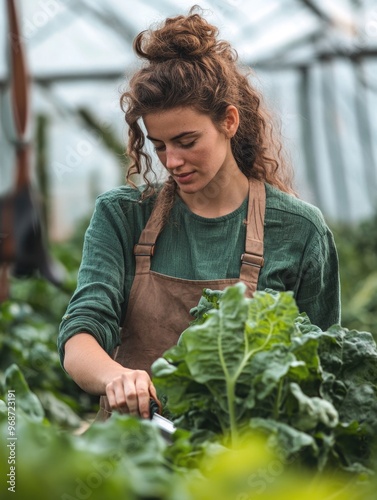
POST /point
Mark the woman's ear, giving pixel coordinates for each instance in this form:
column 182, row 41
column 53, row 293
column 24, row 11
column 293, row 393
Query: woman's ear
column 232, row 120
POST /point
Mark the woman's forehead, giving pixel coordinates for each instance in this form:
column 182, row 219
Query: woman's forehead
column 174, row 122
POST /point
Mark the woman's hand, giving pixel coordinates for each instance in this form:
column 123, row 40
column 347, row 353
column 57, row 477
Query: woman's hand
column 130, row 392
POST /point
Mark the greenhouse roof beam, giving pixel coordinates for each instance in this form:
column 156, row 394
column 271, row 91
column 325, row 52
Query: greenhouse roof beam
column 108, row 19
column 317, row 11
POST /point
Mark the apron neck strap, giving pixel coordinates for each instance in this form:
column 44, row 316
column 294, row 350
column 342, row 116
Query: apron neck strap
column 144, row 249
column 252, row 259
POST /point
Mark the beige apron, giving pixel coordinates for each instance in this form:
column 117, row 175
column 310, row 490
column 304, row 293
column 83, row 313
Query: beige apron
column 159, row 305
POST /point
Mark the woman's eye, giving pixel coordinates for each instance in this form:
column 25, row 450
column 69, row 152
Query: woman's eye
column 188, row 145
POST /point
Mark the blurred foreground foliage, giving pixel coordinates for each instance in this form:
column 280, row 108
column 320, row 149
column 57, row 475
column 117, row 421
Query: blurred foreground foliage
column 127, row 458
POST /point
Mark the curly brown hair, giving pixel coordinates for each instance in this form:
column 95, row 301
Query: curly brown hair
column 186, row 65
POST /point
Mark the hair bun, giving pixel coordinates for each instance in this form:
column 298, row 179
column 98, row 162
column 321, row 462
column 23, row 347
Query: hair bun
column 185, row 37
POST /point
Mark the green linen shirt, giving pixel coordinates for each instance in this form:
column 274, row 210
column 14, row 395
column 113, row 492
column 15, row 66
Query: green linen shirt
column 299, row 255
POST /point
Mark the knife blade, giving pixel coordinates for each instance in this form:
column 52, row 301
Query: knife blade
column 166, row 426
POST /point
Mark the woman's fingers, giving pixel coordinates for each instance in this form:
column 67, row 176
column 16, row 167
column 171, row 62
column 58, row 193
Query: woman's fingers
column 130, row 392
column 134, row 386
column 116, row 397
column 142, row 391
column 153, row 395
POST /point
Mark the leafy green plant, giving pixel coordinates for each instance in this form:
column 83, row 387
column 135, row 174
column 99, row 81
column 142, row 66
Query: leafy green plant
column 29, row 342
column 259, row 364
column 29, row 323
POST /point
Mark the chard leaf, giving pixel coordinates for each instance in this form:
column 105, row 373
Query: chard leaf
column 349, row 359
column 219, row 341
column 209, row 300
column 304, row 325
column 333, row 389
column 27, row 401
column 305, row 349
column 271, row 319
column 352, row 446
column 57, row 410
column 313, row 411
column 284, row 438
column 360, row 404
column 349, row 354
column 269, row 367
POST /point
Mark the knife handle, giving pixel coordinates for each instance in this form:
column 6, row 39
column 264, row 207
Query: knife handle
column 153, row 407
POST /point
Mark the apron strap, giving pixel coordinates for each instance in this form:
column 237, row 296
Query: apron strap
column 251, row 259
column 144, row 249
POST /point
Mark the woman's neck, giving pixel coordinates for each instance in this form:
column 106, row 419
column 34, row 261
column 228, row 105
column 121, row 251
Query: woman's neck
column 221, row 197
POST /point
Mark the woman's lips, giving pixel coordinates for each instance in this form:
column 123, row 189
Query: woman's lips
column 184, row 178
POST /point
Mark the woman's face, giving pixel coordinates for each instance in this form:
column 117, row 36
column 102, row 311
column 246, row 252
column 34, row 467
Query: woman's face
column 190, row 147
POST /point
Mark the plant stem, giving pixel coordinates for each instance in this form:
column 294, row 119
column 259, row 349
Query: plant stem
column 278, row 400
column 230, row 388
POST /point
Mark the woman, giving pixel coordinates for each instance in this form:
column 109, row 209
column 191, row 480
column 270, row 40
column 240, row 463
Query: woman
column 227, row 212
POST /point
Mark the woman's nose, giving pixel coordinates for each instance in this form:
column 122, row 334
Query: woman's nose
column 173, row 159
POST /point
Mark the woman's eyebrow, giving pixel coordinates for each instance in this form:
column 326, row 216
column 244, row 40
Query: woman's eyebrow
column 179, row 136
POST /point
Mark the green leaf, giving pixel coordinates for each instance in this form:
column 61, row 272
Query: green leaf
column 305, row 326
column 352, row 446
column 360, row 404
column 58, row 411
column 349, row 354
column 26, row 400
column 349, row 359
column 271, row 318
column 3, row 410
column 305, row 349
column 312, row 411
column 209, row 300
column 283, row 438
